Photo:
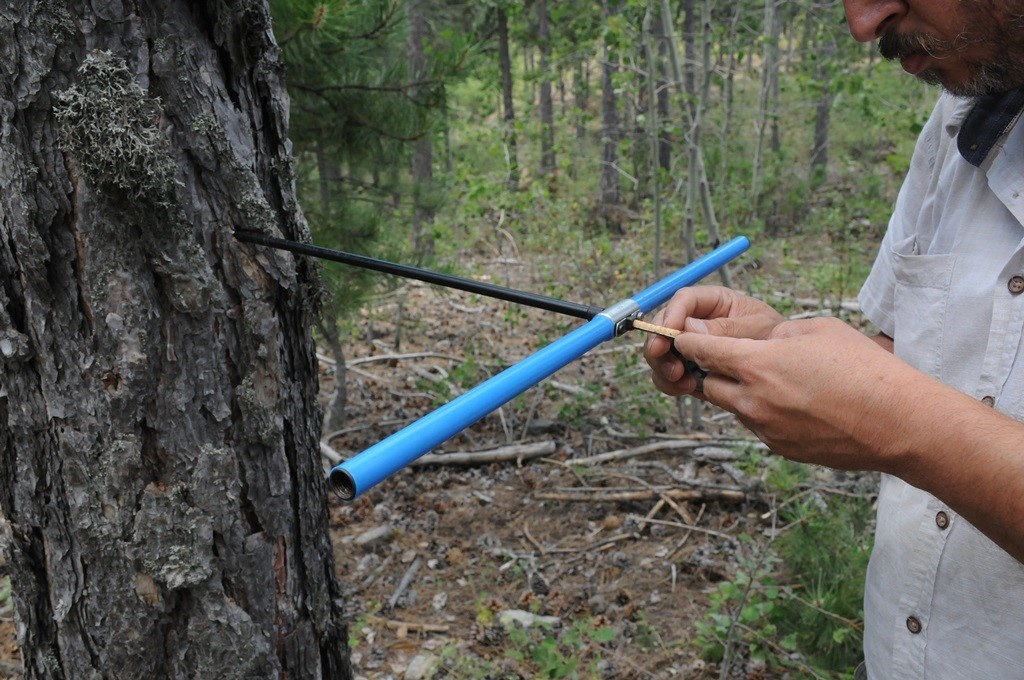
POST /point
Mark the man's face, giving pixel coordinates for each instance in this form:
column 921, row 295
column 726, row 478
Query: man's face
column 970, row 47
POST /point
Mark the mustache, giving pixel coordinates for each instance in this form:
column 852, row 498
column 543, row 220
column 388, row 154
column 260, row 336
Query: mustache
column 894, row 45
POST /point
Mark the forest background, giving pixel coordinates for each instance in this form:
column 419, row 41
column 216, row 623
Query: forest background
column 582, row 150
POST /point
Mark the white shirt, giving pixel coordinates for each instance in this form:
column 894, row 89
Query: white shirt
column 941, row 600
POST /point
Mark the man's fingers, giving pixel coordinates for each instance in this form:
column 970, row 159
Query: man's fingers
column 735, row 327
column 713, row 353
column 679, row 387
column 699, row 301
column 720, row 391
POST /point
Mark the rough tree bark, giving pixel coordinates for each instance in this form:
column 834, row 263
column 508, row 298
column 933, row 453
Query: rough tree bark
column 159, row 462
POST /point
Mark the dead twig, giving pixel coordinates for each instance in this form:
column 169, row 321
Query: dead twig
column 599, row 495
column 600, row 545
column 330, row 454
column 689, row 532
column 666, row 446
column 570, row 468
column 393, row 357
column 653, row 513
column 412, row 626
column 410, row 573
column 533, row 541
column 516, row 452
column 689, row 527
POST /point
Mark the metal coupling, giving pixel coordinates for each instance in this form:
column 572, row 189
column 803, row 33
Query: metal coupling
column 622, row 314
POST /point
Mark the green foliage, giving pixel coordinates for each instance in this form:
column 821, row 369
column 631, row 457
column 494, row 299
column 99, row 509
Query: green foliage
column 796, row 600
column 540, row 651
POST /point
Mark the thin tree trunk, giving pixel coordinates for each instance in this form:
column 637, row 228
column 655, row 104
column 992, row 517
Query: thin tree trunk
column 159, row 429
column 698, row 169
column 508, row 102
column 823, row 117
column 653, row 127
column 581, row 92
column 334, row 418
column 547, row 109
column 423, row 147
column 766, row 102
column 729, row 95
column 610, row 135
column 661, row 37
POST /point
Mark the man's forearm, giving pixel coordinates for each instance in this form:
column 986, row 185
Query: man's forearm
column 967, row 455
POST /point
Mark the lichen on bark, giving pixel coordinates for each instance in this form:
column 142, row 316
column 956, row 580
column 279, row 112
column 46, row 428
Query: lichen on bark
column 108, row 125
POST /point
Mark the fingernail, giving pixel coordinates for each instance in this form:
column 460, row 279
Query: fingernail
column 696, row 326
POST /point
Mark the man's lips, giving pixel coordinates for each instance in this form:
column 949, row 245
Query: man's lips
column 914, row 63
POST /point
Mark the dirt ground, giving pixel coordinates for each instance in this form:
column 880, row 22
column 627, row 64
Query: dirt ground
column 437, row 557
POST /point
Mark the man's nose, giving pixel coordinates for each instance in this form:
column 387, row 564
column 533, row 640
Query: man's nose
column 869, row 19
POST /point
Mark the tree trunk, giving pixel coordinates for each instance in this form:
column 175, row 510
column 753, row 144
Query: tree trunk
column 611, row 197
column 547, row 109
column 423, row 147
column 159, row 426
column 729, row 44
column 665, row 141
column 766, row 112
column 826, row 50
column 508, row 102
column 651, row 34
column 581, row 92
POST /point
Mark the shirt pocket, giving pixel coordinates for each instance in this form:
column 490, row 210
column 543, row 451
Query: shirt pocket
column 920, row 302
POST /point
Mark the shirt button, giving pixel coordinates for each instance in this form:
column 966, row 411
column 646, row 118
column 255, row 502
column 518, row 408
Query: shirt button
column 942, row 520
column 1016, row 285
column 989, row 401
column 914, row 624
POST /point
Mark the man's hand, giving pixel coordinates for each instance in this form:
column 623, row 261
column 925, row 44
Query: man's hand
column 815, row 391
column 704, row 309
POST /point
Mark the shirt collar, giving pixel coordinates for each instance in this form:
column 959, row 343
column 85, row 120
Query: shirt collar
column 979, row 123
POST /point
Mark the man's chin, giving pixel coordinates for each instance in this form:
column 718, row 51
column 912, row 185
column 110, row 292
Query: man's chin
column 981, row 83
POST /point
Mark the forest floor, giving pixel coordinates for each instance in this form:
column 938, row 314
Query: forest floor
column 557, row 563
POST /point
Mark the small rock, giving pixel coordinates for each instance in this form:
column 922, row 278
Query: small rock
column 597, row 604
column 374, row 535
column 439, row 601
column 621, row 559
column 525, row 619
column 611, row 522
column 420, row 666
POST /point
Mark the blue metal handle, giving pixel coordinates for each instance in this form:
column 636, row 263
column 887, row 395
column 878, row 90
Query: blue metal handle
column 380, row 461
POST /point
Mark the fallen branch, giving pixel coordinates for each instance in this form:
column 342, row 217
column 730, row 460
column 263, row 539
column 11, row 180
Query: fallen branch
column 330, row 454
column 410, row 573
column 691, row 527
column 330, row 361
column 714, row 452
column 653, row 513
column 688, row 527
column 412, row 626
column 600, row 545
column 516, row 452
column 598, row 495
